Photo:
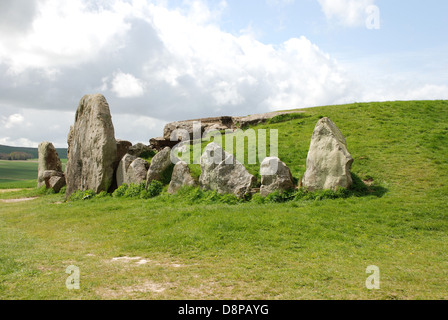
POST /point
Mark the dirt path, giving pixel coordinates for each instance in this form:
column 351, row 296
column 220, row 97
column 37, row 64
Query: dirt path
column 16, row 200
column 9, row 190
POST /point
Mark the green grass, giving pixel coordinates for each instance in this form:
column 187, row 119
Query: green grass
column 302, row 249
column 20, row 174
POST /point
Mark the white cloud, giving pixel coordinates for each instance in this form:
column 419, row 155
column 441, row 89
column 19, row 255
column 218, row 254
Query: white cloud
column 62, row 34
column 125, row 85
column 174, row 63
column 13, row 121
column 349, row 13
column 21, row 142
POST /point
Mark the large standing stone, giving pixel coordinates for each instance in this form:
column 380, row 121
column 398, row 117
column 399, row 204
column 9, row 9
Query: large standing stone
column 223, row 173
column 329, row 162
column 160, row 163
column 131, row 170
column 48, row 161
column 92, row 149
column 275, row 175
column 181, row 177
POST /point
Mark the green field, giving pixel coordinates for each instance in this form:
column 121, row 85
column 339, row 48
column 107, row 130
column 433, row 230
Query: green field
column 193, row 247
column 18, row 174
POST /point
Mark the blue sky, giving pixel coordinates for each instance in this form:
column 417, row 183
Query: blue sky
column 160, row 61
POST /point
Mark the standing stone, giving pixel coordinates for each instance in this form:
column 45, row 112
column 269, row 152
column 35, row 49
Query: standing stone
column 223, row 173
column 131, row 170
column 181, row 177
column 48, row 161
column 92, row 147
column 160, row 163
column 275, row 175
column 329, row 162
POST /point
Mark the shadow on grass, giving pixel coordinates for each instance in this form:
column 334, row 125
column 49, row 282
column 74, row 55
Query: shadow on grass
column 360, row 189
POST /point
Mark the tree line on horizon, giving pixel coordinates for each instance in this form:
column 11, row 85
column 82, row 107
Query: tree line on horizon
column 16, row 155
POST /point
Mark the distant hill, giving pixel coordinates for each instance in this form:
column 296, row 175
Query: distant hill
column 6, row 149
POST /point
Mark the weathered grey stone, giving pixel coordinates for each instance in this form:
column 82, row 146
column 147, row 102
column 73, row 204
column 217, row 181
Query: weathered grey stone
column 123, row 147
column 57, row 183
column 181, row 177
column 123, row 166
column 275, row 175
column 160, row 163
column 137, row 171
column 48, row 175
column 48, row 161
column 329, row 162
column 92, row 147
column 223, row 173
column 140, row 149
column 69, row 141
column 131, row 170
column 160, row 143
column 52, row 173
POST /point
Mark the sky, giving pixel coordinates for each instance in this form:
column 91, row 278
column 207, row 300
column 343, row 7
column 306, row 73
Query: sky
column 162, row 61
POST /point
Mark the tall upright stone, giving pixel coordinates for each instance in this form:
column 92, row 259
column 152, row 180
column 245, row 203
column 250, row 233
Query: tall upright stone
column 329, row 162
column 92, row 149
column 49, row 164
column 223, row 173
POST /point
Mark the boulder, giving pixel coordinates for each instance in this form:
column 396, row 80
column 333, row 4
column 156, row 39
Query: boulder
column 223, row 173
column 123, row 147
column 92, row 149
column 131, row 170
column 160, row 163
column 329, row 162
column 181, row 177
column 140, row 149
column 53, row 179
column 48, row 161
column 161, row 143
column 57, row 183
column 275, row 175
